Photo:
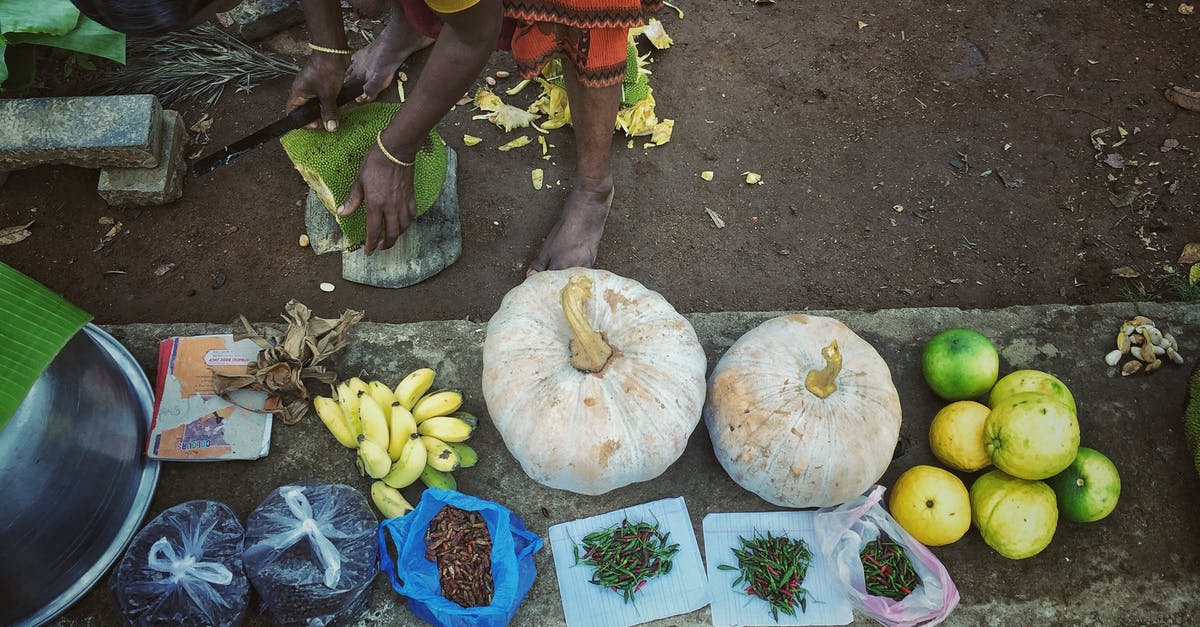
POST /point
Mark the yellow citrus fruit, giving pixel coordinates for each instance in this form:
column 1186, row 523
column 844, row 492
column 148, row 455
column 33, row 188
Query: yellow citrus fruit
column 931, row 504
column 1030, row 381
column 1031, row 435
column 956, row 436
column 1016, row 517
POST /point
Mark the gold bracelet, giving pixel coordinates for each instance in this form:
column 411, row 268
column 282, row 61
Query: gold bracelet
column 329, row 50
column 379, row 140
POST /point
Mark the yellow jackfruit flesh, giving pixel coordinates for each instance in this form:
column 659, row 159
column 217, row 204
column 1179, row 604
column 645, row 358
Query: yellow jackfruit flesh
column 329, row 163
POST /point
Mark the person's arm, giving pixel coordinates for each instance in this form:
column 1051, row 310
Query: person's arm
column 324, row 72
column 463, row 47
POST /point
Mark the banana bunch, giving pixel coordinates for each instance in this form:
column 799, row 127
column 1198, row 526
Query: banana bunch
column 401, row 435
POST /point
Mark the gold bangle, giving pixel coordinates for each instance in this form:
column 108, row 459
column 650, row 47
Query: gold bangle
column 379, row 140
column 329, row 50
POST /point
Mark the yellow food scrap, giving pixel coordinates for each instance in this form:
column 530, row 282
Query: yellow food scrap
column 486, row 100
column 516, row 143
column 538, row 177
column 638, row 119
column 545, row 146
column 677, row 9
column 518, row 88
column 662, row 132
column 553, row 104
column 503, row 115
column 657, row 35
column 629, row 144
column 471, row 140
column 753, row 178
column 706, row 175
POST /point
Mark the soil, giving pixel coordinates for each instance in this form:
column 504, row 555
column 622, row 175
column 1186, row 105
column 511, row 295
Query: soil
column 912, row 154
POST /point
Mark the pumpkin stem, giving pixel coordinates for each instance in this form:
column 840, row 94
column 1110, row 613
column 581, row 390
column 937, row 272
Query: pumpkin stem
column 821, row 382
column 589, row 351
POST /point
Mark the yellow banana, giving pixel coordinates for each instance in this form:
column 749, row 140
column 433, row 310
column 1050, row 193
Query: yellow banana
column 358, row 385
column 446, row 428
column 331, row 414
column 466, row 455
column 441, row 456
column 440, row 403
column 373, row 459
column 389, row 501
column 408, row 467
column 374, row 422
column 414, row 386
column 401, row 427
column 350, row 400
column 434, row 478
column 382, row 394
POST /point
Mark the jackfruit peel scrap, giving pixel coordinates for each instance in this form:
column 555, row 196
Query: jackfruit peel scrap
column 508, row 117
column 486, row 100
column 537, row 176
column 553, row 104
column 662, row 132
column 471, row 140
column 516, row 143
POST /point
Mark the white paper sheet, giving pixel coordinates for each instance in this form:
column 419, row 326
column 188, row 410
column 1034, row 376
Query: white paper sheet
column 826, row 602
column 680, row 591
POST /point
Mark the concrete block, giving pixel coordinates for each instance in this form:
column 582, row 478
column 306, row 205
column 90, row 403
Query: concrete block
column 257, row 19
column 150, row 186
column 88, row 131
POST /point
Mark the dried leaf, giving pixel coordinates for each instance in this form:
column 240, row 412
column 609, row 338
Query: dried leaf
column 1185, row 98
column 471, row 140
column 202, row 125
column 14, row 234
column 1126, row 272
column 538, row 177
column 1124, row 199
column 716, row 219
column 1114, row 160
column 163, row 269
column 1191, row 253
column 1168, row 145
column 516, row 143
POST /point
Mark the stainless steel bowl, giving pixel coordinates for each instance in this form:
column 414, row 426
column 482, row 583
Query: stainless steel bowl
column 75, row 481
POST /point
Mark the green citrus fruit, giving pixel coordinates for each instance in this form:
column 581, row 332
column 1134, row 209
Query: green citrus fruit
column 956, row 436
column 1030, row 381
column 1031, row 436
column 1016, row 517
column 1089, row 488
column 960, row 364
column 931, row 504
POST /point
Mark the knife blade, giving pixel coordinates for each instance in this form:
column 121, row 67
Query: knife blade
column 301, row 116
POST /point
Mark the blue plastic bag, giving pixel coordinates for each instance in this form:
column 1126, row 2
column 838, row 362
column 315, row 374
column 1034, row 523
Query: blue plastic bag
column 415, row 577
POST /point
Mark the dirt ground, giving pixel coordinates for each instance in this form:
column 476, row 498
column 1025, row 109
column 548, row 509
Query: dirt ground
column 912, row 154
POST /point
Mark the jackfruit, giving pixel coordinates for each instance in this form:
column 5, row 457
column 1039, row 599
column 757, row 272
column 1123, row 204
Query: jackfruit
column 329, row 163
column 1191, row 416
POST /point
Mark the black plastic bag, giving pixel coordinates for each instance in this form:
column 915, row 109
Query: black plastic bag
column 184, row 568
column 311, row 553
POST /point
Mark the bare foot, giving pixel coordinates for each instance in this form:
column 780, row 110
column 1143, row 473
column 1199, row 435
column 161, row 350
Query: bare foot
column 575, row 238
column 375, row 66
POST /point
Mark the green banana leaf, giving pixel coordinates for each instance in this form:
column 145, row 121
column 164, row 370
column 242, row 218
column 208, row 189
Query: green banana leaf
column 52, row 17
column 35, row 323
column 88, row 37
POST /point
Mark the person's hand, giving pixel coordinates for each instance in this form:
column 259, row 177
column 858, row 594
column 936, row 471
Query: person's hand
column 321, row 78
column 387, row 190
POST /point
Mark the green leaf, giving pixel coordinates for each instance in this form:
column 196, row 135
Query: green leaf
column 1194, row 274
column 52, row 17
column 90, row 38
column 35, row 323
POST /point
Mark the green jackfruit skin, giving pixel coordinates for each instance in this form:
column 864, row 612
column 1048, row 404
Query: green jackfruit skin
column 329, row 163
column 635, row 85
column 1191, row 416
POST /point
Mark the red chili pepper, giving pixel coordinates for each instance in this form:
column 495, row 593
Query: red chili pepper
column 870, row 559
column 905, row 590
column 640, row 584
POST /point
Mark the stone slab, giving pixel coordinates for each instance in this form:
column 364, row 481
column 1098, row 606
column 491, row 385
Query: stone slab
column 1136, row 567
column 86, row 131
column 144, row 187
column 429, row 245
column 257, row 19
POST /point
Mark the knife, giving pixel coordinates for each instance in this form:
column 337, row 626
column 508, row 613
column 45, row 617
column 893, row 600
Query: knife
column 306, row 113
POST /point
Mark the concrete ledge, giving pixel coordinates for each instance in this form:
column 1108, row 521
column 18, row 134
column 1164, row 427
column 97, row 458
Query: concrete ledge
column 150, row 186
column 89, row 131
column 1136, row 567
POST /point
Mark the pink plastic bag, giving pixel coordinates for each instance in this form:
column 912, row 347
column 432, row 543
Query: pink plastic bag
column 843, row 531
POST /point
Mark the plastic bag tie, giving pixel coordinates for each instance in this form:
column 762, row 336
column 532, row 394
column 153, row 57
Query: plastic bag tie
column 162, row 558
column 327, row 554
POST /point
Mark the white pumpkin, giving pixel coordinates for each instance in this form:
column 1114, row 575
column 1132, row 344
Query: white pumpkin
column 803, row 412
column 593, row 380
